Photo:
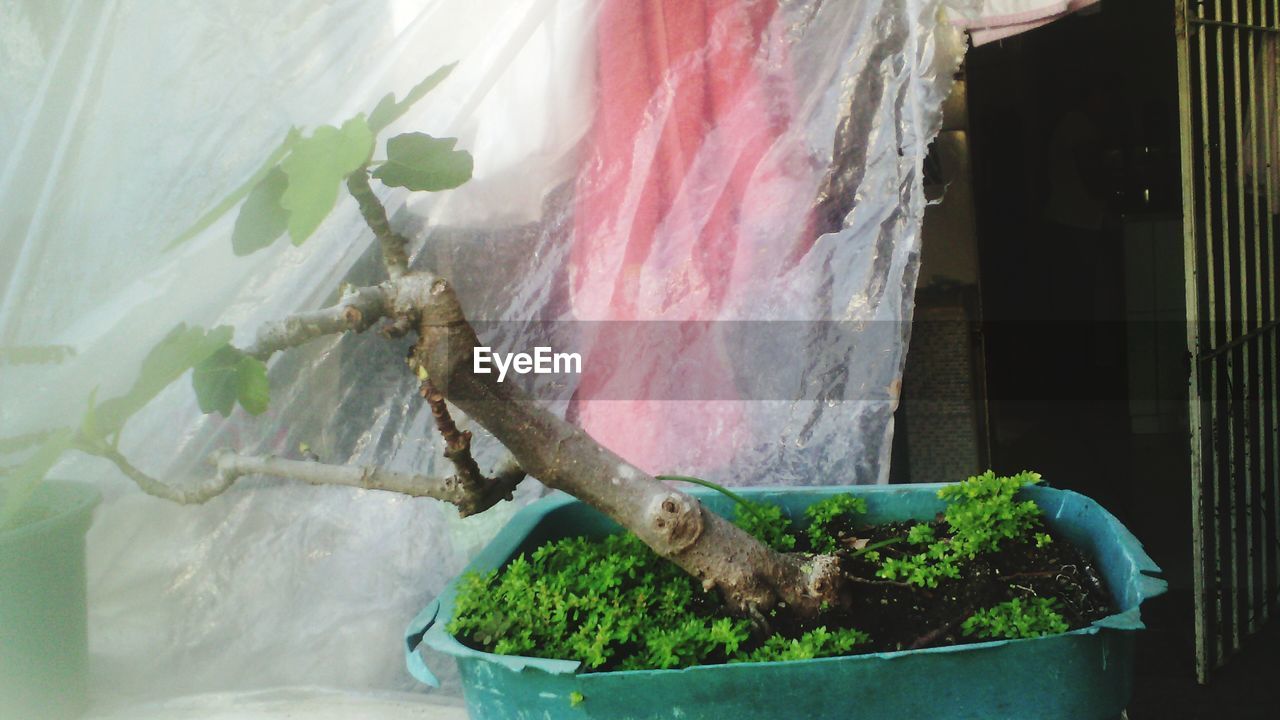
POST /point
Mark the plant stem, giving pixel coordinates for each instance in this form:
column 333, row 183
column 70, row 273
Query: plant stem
column 741, row 501
column 395, row 254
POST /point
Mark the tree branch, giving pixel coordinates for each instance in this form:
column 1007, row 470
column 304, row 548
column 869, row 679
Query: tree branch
column 469, row 501
column 457, row 444
column 232, row 466
column 150, row 485
column 395, row 254
column 751, row 577
column 358, row 311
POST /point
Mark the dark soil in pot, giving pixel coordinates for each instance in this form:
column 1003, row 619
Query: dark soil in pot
column 903, row 616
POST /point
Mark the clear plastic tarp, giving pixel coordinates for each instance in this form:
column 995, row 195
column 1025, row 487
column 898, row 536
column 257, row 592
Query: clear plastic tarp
column 717, row 204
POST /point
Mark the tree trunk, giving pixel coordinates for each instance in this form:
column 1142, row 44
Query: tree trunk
column 751, row 577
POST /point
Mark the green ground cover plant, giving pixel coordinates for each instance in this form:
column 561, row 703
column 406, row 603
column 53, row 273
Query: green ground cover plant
column 981, row 514
column 1016, row 618
column 613, row 604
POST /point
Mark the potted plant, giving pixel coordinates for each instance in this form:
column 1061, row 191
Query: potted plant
column 627, row 655
column 43, row 613
column 751, row 577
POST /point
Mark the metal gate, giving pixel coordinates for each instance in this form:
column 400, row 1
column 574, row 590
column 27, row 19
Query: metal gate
column 1228, row 94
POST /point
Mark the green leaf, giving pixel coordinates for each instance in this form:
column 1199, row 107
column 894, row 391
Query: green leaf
column 261, row 218
column 238, row 194
column 420, row 162
column 316, row 168
column 252, row 389
column 388, row 110
column 20, row 484
column 229, row 375
column 183, row 348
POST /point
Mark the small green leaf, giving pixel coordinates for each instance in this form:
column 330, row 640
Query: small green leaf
column 388, row 111
column 316, row 168
column 238, row 194
column 420, row 162
column 575, row 698
column 261, row 218
column 21, row 483
column 177, row 352
column 253, row 391
column 229, row 375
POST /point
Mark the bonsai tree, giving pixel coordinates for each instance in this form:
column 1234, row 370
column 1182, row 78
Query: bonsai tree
column 291, row 194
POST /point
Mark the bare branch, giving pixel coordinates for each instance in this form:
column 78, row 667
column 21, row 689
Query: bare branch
column 395, row 254
column 151, row 486
column 457, row 443
column 358, row 311
column 232, row 466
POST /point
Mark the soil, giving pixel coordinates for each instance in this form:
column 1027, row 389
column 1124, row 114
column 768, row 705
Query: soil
column 899, row 616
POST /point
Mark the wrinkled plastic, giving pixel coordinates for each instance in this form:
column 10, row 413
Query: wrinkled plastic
column 799, row 199
column 1085, row 673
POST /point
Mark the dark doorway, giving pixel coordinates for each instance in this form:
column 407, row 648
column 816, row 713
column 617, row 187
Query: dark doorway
column 1075, row 160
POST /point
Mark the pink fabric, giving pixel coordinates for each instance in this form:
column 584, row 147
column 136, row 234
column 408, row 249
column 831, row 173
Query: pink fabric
column 999, row 19
column 683, row 128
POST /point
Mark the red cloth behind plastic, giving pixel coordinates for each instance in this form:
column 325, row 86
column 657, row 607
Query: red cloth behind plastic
column 660, row 224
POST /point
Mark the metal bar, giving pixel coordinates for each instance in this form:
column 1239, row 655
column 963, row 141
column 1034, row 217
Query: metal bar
column 1235, row 25
column 1191, row 278
column 1229, row 611
column 1258, row 602
column 1266, row 329
column 1270, row 432
column 1210, row 516
column 1242, row 480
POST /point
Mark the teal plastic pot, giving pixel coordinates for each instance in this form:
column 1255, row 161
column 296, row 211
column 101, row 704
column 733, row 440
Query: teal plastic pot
column 1083, row 674
column 44, row 654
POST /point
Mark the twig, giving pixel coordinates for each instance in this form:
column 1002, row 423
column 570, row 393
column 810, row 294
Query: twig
column 894, row 583
column 469, row 500
column 457, row 443
column 1040, row 574
column 395, row 255
column 150, row 485
column 932, row 636
column 232, row 466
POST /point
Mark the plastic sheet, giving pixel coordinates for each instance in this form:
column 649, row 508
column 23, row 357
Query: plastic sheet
column 791, row 196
